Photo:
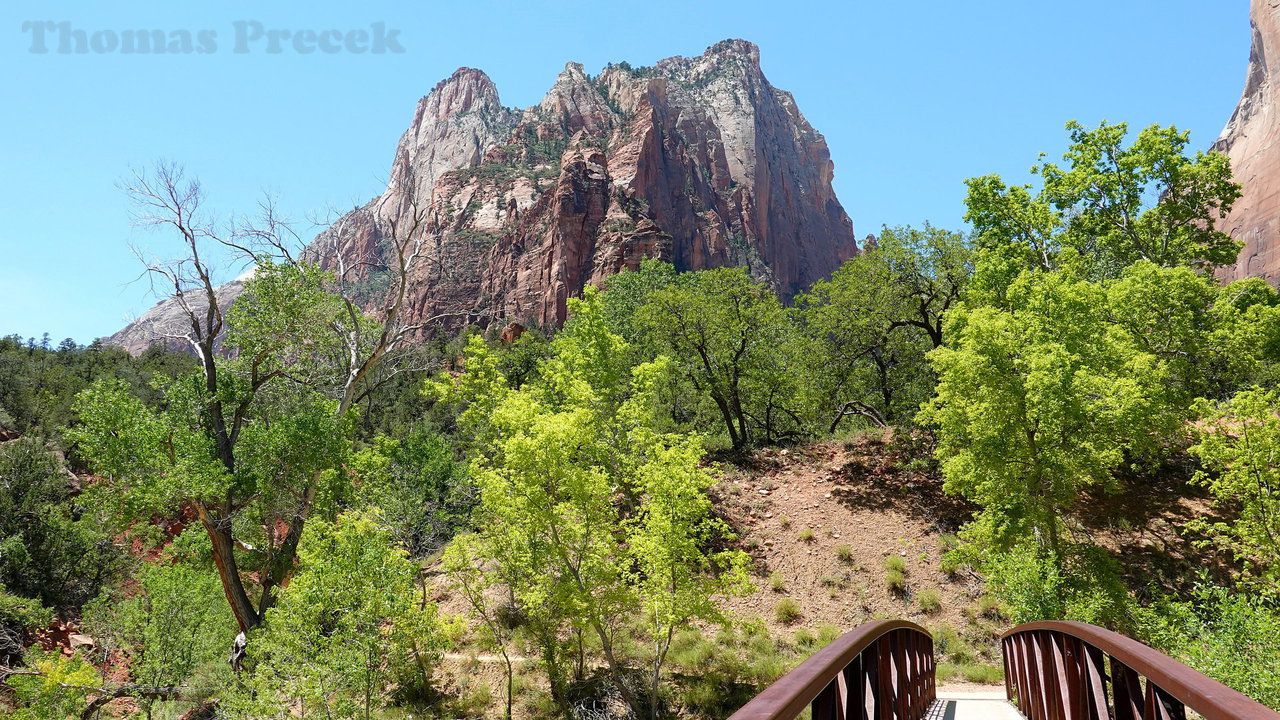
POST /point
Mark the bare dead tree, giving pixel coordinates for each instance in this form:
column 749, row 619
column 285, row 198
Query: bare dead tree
column 364, row 348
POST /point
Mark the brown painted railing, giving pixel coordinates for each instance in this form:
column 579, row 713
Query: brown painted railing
column 1075, row 671
column 881, row 670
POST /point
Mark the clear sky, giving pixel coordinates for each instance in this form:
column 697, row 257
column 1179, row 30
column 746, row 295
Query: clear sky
column 913, row 97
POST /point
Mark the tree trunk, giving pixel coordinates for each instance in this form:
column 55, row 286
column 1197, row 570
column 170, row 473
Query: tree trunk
column 224, row 559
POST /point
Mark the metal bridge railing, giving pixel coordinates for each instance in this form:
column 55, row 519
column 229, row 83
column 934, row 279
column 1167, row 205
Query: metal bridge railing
column 881, row 670
column 1076, row 671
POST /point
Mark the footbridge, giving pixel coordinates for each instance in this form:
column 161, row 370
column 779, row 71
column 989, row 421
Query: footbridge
column 885, row 670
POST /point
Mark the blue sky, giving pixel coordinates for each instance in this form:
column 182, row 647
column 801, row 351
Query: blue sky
column 912, row 97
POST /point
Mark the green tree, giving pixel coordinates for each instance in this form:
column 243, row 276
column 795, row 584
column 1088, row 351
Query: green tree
column 587, row 513
column 1111, row 203
column 250, row 440
column 1039, row 401
column 733, row 340
column 52, row 546
column 348, row 624
column 871, row 324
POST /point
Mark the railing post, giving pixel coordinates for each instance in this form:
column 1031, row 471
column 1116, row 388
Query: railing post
column 1126, row 692
column 1095, row 678
column 1160, row 705
column 827, row 705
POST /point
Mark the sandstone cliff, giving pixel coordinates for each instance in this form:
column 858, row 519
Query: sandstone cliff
column 1251, row 140
column 697, row 161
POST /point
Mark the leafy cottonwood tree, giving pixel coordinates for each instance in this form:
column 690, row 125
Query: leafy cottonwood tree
column 587, row 513
column 872, row 323
column 247, row 441
column 349, row 623
column 1041, row 400
column 734, row 341
column 1113, row 204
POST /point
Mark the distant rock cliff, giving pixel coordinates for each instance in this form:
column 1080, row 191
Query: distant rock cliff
column 697, row 161
column 1251, row 140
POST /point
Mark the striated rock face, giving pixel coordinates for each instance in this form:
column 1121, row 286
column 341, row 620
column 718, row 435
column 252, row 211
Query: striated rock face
column 1251, row 140
column 697, row 161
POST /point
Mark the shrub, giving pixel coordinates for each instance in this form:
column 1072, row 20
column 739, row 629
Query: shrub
column 807, row 535
column 895, row 574
column 895, row 581
column 930, row 600
column 831, row 581
column 845, row 554
column 787, row 611
column 777, row 583
column 785, row 522
column 949, row 566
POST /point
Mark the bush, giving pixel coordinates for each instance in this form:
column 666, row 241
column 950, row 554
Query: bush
column 930, row 600
column 777, row 583
column 974, row 673
column 785, row 522
column 845, row 554
column 895, row 581
column 986, row 606
column 895, row 574
column 807, row 535
column 787, row 611
column 949, row 566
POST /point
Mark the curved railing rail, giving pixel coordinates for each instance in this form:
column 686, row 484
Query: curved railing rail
column 881, row 670
column 1076, row 671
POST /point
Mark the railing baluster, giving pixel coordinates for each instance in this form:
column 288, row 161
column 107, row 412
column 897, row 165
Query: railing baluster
column 1095, row 679
column 1160, row 705
column 826, row 706
column 1126, row 692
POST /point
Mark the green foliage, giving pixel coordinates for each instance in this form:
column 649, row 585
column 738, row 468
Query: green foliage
column 1112, row 204
column 869, row 327
column 807, row 535
column 1240, row 444
column 52, row 547
column 844, row 553
column 423, row 492
column 349, row 624
column 1042, row 398
column 589, row 515
column 38, row 382
column 174, row 625
column 930, row 600
column 1227, row 635
column 59, row 692
column 895, row 563
column 787, row 611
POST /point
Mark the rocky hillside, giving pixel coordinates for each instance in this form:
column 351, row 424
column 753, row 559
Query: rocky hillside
column 1252, row 140
column 697, row 161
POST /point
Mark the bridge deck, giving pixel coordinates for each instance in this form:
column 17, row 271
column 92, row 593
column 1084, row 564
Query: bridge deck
column 972, row 706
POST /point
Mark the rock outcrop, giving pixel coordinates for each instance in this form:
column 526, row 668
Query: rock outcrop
column 696, row 161
column 166, row 322
column 1251, row 140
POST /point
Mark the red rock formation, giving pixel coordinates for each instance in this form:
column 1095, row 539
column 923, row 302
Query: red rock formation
column 698, row 161
column 1251, row 140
